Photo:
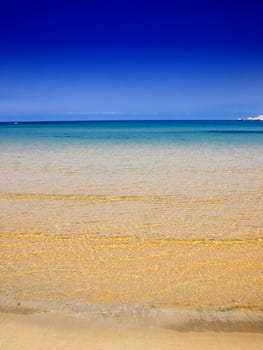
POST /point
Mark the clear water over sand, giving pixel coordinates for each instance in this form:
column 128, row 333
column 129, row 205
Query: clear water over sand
column 132, row 215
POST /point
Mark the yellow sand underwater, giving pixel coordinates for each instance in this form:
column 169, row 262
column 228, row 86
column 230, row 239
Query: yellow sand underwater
column 164, row 252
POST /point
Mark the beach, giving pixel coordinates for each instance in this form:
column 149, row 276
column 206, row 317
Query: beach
column 139, row 235
column 71, row 331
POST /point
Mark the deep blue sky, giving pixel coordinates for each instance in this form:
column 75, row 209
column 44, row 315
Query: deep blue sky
column 131, row 59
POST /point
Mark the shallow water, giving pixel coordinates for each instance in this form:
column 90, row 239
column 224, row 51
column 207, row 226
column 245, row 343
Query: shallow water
column 132, row 214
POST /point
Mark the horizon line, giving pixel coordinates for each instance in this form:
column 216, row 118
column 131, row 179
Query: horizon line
column 112, row 120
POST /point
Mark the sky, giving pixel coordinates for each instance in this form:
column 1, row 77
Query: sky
column 82, row 60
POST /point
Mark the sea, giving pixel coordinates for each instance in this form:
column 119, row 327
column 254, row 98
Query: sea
column 132, row 215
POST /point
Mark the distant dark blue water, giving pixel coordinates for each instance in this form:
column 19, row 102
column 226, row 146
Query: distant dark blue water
column 118, row 132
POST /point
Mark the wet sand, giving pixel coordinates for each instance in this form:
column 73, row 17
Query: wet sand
column 58, row 330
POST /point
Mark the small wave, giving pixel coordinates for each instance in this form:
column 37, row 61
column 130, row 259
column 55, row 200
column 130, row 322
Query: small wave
column 85, row 197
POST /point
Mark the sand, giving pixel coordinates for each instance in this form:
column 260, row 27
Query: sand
column 59, row 330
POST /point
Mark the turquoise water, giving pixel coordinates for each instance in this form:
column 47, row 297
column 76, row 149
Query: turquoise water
column 119, row 132
column 183, row 158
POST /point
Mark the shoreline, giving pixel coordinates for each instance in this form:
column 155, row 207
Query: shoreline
column 180, row 319
column 67, row 330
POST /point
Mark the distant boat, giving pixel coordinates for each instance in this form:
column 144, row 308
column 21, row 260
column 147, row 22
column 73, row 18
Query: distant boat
column 15, row 123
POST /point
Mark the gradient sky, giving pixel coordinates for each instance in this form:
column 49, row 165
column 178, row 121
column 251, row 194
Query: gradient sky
column 130, row 59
